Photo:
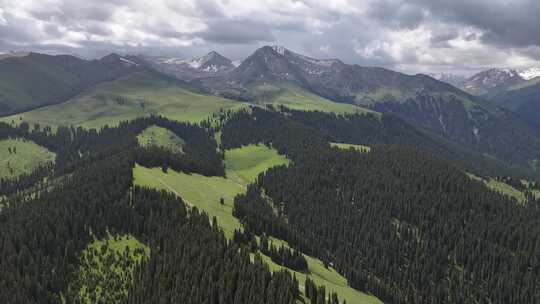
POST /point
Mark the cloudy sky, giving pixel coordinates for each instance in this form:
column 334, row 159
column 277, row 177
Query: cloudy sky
column 460, row 36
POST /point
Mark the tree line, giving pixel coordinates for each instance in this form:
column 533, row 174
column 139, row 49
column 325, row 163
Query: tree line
column 76, row 146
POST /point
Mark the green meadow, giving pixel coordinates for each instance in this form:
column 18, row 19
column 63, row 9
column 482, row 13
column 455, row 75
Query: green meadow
column 108, row 262
column 161, row 137
column 245, row 164
column 299, row 99
column 19, row 156
column 128, row 98
column 500, row 187
column 140, row 94
column 242, row 167
column 196, row 190
column 344, row 146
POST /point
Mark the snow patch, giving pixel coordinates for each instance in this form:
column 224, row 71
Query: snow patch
column 211, row 68
column 196, row 63
column 128, row 62
column 476, row 132
column 237, row 62
column 443, row 125
column 530, row 73
column 279, row 49
column 319, row 62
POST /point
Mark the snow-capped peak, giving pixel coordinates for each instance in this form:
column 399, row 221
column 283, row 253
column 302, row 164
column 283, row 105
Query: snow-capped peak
column 279, row 49
column 199, row 63
column 495, row 76
column 530, row 73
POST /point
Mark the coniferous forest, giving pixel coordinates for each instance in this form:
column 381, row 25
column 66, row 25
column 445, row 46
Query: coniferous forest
column 403, row 222
column 98, row 197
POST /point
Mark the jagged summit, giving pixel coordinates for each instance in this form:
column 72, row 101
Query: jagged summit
column 279, row 49
column 209, row 65
column 492, row 80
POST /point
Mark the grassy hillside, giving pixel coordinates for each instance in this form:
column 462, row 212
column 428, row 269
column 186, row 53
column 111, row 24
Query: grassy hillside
column 500, row 187
column 244, row 164
column 127, row 98
column 27, row 82
column 160, row 137
column 108, row 262
column 535, row 192
column 18, row 156
column 360, row 148
column 297, row 98
column 325, row 276
column 205, row 193
column 196, row 190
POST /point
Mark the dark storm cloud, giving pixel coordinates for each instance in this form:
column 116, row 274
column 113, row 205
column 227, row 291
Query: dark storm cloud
column 397, row 13
column 75, row 11
column 514, row 23
column 367, row 32
column 237, row 31
column 17, row 31
column 443, row 37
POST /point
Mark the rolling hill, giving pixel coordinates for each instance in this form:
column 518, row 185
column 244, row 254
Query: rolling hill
column 135, row 95
column 36, row 80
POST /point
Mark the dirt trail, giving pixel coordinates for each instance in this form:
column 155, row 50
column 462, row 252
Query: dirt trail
column 174, row 191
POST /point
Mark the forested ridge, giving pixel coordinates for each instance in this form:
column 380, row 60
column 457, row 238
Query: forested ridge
column 269, row 126
column 76, row 146
column 397, row 222
column 39, row 261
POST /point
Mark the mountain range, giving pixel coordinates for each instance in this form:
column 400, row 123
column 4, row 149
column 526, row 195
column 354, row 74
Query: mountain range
column 500, row 124
column 209, row 65
column 279, row 179
column 516, row 91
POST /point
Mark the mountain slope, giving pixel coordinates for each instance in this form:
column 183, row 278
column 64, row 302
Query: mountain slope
column 212, row 64
column 36, row 79
column 491, row 81
column 134, row 95
column 453, row 79
column 420, row 99
column 522, row 99
column 357, row 210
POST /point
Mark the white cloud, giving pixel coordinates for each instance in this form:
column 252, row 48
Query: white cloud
column 412, row 36
column 2, row 19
